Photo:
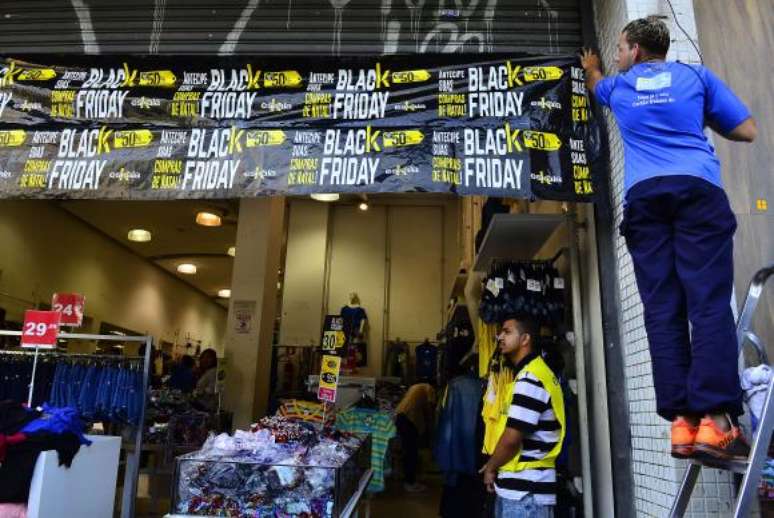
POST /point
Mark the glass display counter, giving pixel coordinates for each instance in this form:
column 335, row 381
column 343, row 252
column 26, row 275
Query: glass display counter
column 236, row 486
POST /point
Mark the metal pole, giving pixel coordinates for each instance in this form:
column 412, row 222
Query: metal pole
column 580, row 365
column 132, row 471
column 749, row 487
column 680, row 505
column 32, row 379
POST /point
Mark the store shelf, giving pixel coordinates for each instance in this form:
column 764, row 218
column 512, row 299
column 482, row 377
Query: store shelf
column 516, row 237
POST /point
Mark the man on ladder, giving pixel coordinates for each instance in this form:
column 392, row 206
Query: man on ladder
column 679, row 229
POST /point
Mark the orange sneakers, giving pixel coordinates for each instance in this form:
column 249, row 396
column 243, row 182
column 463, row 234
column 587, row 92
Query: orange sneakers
column 683, row 438
column 713, row 442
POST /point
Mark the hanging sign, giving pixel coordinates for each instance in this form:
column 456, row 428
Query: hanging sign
column 112, row 127
column 40, row 329
column 333, row 333
column 70, row 305
column 329, row 378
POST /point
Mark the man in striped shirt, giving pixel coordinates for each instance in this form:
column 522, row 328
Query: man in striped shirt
column 521, row 469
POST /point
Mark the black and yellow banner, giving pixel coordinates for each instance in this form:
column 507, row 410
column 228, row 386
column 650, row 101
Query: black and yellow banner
column 160, row 128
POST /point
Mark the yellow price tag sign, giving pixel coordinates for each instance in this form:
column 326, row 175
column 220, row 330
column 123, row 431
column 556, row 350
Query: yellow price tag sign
column 410, row 76
column 12, row 138
column 260, row 138
column 37, row 74
column 333, row 340
column 159, row 78
column 329, row 378
column 402, row 138
column 132, row 138
column 283, row 78
column 542, row 73
column 541, row 141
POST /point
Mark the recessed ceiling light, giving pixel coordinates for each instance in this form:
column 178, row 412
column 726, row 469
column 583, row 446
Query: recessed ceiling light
column 208, row 219
column 139, row 235
column 232, row 251
column 325, row 197
column 187, row 268
column 224, row 293
column 363, row 206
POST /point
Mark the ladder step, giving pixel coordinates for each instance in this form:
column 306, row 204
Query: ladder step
column 736, row 466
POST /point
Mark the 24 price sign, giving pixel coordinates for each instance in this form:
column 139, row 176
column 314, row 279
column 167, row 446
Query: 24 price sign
column 40, row 329
column 70, row 305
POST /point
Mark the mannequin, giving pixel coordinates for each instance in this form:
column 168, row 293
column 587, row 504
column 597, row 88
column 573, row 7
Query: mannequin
column 355, row 319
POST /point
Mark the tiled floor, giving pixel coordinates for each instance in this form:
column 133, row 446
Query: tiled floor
column 395, row 502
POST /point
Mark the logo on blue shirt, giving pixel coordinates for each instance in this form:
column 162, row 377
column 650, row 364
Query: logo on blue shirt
column 657, row 82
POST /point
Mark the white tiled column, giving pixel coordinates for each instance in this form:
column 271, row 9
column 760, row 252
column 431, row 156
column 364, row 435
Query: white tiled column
column 657, row 475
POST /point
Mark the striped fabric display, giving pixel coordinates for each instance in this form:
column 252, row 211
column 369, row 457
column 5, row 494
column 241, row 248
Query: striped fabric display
column 381, row 427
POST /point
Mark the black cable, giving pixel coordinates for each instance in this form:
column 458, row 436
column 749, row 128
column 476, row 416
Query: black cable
column 677, row 22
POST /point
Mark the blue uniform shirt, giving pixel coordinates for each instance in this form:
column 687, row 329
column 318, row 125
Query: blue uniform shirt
column 661, row 110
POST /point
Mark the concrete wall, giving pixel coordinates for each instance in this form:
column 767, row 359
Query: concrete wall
column 44, row 249
column 253, row 307
column 656, row 474
column 304, row 281
column 736, row 38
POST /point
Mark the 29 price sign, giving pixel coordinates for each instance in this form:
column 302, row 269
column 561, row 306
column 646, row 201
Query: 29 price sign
column 70, row 305
column 40, row 329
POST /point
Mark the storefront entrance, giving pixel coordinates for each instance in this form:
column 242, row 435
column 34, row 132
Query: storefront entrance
column 413, row 259
column 406, row 257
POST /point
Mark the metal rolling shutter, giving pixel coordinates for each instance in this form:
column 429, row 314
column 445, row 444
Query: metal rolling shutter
column 306, row 27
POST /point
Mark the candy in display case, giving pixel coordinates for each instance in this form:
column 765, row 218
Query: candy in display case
column 289, row 479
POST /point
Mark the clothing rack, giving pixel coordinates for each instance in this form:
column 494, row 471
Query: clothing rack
column 58, row 354
column 132, row 471
column 500, row 264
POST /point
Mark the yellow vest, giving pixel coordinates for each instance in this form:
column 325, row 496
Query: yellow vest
column 495, row 415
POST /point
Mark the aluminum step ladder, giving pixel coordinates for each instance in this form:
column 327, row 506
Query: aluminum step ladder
column 750, row 470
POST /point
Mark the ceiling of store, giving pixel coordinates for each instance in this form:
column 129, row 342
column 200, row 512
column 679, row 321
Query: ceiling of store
column 176, row 238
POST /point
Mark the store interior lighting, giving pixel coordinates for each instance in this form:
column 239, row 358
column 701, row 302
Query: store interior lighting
column 232, row 251
column 139, row 235
column 208, row 219
column 187, row 268
column 224, row 293
column 325, row 197
column 363, row 206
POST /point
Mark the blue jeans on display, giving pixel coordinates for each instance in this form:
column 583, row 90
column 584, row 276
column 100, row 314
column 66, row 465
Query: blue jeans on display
column 524, row 508
column 679, row 231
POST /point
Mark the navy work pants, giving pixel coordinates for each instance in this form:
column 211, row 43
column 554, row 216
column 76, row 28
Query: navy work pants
column 679, row 231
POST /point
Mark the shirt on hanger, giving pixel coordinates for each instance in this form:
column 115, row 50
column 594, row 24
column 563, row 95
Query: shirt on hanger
column 381, row 427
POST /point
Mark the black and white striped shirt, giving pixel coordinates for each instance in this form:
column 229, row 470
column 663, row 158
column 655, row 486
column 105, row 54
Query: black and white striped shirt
column 531, row 414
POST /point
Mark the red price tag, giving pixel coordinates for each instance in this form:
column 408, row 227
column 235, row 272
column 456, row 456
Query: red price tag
column 70, row 305
column 40, row 329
